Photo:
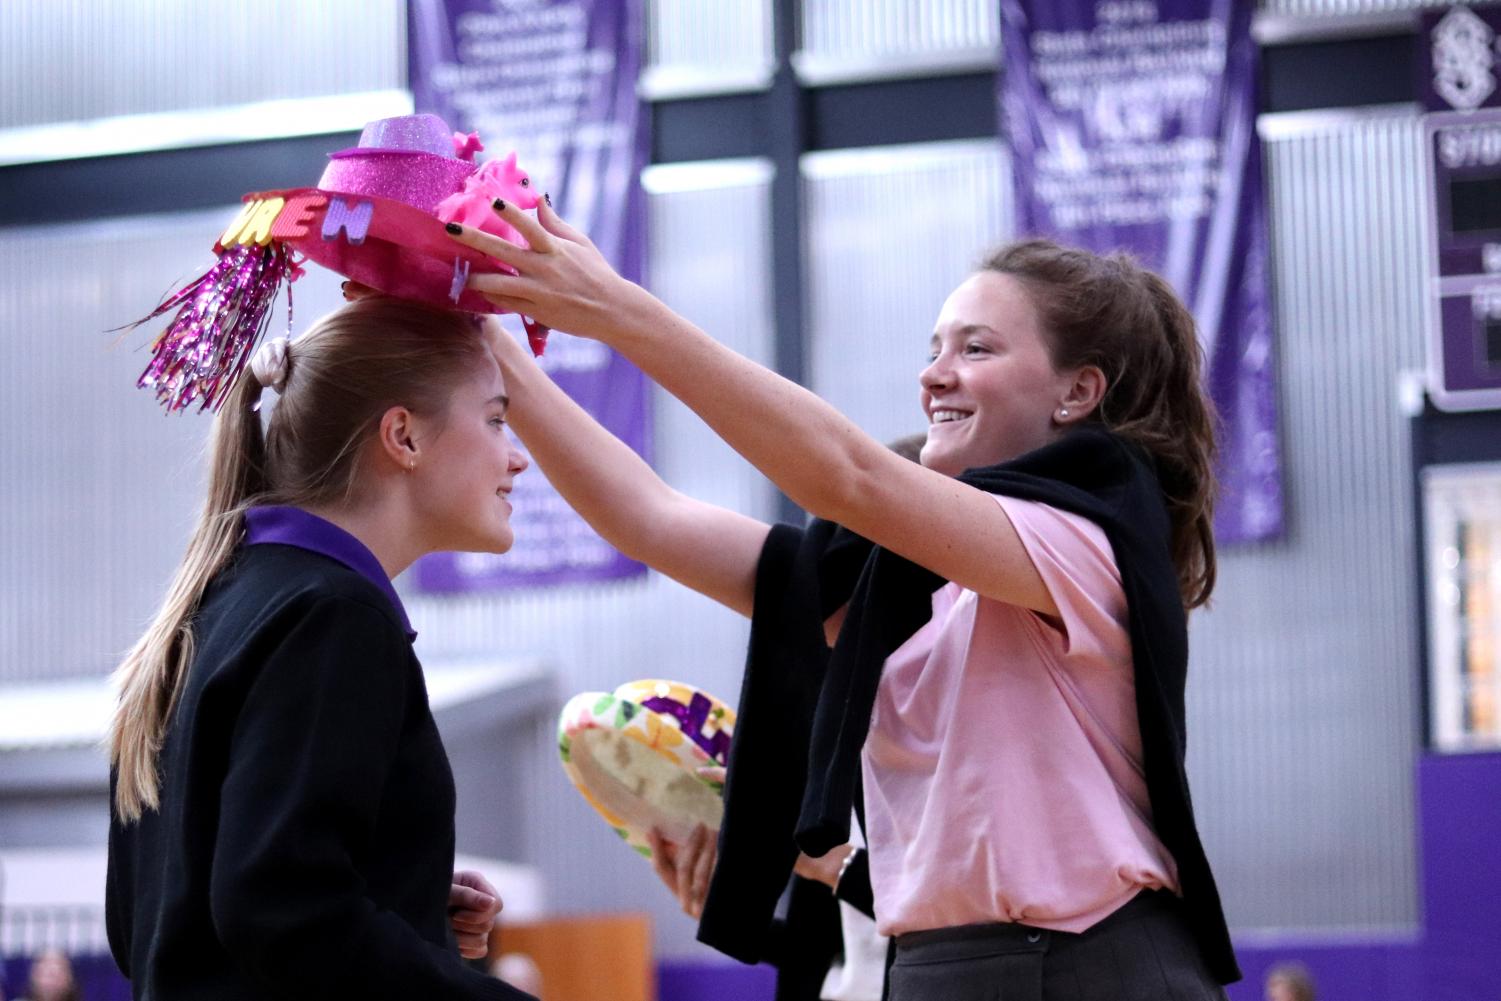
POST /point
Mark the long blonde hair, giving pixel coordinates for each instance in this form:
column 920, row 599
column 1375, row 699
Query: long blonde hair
column 342, row 375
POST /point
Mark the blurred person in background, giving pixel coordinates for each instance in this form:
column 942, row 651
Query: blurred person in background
column 1016, row 633
column 1289, row 982
column 51, row 978
column 282, row 808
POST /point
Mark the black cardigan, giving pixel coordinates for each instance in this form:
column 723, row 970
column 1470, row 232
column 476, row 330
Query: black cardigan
column 304, row 846
column 804, row 943
column 804, row 715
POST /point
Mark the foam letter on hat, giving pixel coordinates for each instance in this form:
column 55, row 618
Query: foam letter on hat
column 294, row 220
column 354, row 220
column 258, row 229
column 246, row 212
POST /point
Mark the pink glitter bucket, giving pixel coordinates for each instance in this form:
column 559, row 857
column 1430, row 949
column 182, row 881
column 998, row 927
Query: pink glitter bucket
column 410, row 159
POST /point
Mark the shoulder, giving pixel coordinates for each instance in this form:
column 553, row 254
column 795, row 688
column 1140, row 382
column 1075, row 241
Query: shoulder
column 278, row 610
column 295, row 583
column 1045, row 528
column 326, row 646
column 1074, row 557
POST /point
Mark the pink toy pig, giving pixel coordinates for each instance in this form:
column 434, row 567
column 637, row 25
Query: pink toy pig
column 474, row 207
column 494, row 179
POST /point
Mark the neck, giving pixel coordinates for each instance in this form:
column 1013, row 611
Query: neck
column 378, row 526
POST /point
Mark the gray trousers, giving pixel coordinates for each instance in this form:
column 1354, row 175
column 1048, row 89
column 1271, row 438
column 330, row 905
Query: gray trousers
column 1142, row 952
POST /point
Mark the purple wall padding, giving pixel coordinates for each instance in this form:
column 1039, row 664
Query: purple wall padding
column 97, row 976
column 714, row 981
column 1459, row 810
column 1457, row 954
column 1457, row 957
column 677, row 981
column 1368, row 970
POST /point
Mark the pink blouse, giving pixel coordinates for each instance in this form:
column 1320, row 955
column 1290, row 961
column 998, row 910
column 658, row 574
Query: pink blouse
column 1003, row 770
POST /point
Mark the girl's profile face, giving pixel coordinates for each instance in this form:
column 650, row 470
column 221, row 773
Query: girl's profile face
column 990, row 391
column 467, row 469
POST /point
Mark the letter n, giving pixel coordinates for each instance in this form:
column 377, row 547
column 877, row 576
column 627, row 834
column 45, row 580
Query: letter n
column 354, row 220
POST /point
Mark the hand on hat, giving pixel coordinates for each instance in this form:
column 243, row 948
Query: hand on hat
column 506, row 349
column 561, row 280
column 354, row 291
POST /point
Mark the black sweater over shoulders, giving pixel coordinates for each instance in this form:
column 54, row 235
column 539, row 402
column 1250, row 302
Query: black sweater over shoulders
column 768, row 761
column 804, row 713
column 304, row 846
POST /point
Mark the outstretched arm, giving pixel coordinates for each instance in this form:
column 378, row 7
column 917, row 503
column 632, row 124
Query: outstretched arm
column 711, row 549
column 820, row 458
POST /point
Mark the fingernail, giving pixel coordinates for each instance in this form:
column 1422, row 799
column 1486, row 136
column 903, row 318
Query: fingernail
column 498, row 205
column 547, row 198
column 453, row 228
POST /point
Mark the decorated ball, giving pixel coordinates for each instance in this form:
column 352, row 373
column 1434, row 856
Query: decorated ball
column 635, row 755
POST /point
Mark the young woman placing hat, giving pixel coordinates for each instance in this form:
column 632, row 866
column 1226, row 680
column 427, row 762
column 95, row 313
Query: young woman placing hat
column 1011, row 650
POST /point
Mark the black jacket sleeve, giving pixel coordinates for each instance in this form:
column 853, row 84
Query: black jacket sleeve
column 309, row 755
column 768, row 754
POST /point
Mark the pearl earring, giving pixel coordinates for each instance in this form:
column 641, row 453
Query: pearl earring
column 1063, row 412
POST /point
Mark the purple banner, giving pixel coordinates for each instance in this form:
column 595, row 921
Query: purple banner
column 1132, row 126
column 554, row 80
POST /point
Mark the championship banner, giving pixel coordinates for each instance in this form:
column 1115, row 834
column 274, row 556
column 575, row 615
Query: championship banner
column 555, row 81
column 1132, row 126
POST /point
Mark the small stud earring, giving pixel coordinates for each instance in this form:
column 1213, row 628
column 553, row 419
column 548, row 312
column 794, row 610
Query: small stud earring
column 1063, row 412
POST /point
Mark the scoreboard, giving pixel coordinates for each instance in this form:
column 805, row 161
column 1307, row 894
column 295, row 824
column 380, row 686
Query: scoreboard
column 1462, row 136
column 1464, row 156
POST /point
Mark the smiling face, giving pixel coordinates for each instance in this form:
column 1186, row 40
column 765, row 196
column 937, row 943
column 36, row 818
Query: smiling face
column 466, row 470
column 990, row 391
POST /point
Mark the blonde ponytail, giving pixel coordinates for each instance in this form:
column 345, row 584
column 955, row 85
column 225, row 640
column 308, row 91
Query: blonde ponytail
column 150, row 679
column 347, row 371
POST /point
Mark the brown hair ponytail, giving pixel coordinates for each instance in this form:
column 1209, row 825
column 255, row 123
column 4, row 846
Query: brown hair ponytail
column 342, row 375
column 1110, row 312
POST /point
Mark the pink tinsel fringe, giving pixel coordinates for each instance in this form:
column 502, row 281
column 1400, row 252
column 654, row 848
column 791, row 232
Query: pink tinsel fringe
column 222, row 315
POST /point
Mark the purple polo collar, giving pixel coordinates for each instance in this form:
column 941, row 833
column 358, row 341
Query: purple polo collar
column 292, row 526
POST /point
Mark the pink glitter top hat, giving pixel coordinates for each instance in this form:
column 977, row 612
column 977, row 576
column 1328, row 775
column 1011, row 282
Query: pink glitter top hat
column 376, row 216
column 413, row 159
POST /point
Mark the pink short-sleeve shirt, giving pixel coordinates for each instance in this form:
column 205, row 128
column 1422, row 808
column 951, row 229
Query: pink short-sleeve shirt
column 1003, row 770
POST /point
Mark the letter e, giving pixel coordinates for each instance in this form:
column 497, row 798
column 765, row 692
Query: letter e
column 294, row 220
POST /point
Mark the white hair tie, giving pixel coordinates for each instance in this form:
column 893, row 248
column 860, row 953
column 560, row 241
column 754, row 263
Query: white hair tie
column 270, row 364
